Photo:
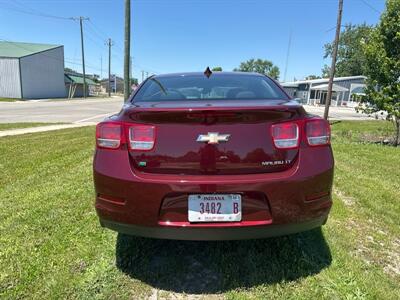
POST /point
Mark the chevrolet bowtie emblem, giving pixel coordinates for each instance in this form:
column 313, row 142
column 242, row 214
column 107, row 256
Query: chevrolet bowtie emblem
column 213, row 138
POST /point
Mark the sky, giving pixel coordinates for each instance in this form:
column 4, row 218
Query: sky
column 186, row 35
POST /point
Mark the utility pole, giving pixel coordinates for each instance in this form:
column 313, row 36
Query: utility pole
column 287, row 55
column 333, row 65
column 147, row 74
column 127, row 49
column 130, row 71
column 81, row 19
column 142, row 75
column 109, row 43
column 101, row 67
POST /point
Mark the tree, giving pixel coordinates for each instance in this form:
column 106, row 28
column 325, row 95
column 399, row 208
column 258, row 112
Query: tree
column 134, row 81
column 382, row 53
column 351, row 59
column 217, row 69
column 326, row 71
column 70, row 71
column 261, row 66
column 311, row 77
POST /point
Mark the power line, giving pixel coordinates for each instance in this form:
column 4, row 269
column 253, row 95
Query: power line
column 99, row 31
column 287, row 55
column 370, row 6
column 149, row 70
column 22, row 8
column 117, row 57
column 99, row 37
column 103, row 37
column 334, row 27
column 146, row 69
column 119, row 47
column 95, row 33
column 95, row 42
column 67, row 60
column 77, row 62
column 92, row 34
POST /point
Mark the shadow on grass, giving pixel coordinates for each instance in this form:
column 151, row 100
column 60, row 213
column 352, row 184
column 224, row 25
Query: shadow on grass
column 213, row 267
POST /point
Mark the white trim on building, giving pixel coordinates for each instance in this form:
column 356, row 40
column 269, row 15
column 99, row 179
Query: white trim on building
column 314, row 91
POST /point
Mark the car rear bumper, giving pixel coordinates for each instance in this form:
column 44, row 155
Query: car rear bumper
column 214, row 233
column 155, row 205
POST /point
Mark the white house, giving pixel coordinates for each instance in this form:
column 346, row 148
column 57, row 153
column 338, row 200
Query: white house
column 314, row 91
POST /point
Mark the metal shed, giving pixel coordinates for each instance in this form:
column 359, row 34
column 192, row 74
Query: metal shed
column 31, row 71
column 74, row 85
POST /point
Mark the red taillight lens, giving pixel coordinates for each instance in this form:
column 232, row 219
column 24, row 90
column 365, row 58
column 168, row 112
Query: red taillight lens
column 141, row 137
column 285, row 135
column 109, row 135
column 318, row 132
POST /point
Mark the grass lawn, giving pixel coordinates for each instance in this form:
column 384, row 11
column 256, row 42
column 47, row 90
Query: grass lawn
column 8, row 99
column 8, row 126
column 51, row 245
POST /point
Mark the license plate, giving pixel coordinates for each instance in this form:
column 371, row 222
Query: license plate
column 215, row 208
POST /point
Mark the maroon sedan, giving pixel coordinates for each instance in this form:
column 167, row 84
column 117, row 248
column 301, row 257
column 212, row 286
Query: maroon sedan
column 218, row 156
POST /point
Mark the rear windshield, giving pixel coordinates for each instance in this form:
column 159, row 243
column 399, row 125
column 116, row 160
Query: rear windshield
column 221, row 86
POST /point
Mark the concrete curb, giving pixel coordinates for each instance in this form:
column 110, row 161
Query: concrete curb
column 19, row 131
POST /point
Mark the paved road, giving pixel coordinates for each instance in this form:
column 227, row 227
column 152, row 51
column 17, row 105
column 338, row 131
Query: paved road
column 65, row 111
column 338, row 113
column 94, row 110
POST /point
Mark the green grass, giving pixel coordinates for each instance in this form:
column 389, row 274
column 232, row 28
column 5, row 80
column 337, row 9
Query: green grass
column 8, row 99
column 8, row 126
column 51, row 245
column 362, row 131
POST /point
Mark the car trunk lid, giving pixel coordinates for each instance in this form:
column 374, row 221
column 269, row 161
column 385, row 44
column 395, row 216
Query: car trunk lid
column 213, row 138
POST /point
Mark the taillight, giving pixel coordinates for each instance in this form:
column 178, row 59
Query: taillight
column 112, row 135
column 285, row 135
column 109, row 135
column 141, row 137
column 318, row 132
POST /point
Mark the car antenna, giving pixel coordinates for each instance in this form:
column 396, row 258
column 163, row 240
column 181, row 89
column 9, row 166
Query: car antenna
column 208, row 72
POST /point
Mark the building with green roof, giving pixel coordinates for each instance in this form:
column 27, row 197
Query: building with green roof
column 74, row 85
column 31, row 71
